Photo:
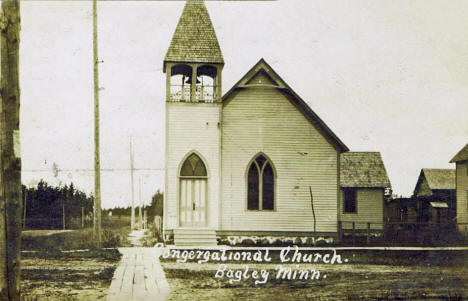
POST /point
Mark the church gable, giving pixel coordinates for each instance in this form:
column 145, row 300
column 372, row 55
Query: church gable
column 262, row 75
column 261, row 121
column 261, row 78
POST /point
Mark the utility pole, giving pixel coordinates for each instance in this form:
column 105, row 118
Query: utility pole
column 10, row 158
column 97, row 161
column 132, row 221
column 140, row 217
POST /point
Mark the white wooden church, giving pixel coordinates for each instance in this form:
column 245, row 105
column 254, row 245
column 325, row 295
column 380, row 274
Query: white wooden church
column 243, row 163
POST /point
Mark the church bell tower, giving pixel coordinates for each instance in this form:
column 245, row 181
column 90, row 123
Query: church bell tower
column 193, row 67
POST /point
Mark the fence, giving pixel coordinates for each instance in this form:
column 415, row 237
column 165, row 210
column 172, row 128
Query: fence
column 355, row 230
column 400, row 231
column 57, row 223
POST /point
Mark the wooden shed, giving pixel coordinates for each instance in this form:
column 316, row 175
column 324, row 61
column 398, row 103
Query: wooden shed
column 363, row 183
column 435, row 195
column 402, row 211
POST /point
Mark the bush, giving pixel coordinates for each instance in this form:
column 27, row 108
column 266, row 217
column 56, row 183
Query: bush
column 110, row 239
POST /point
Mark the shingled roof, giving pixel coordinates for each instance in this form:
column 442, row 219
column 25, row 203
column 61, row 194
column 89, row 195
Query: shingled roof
column 439, row 178
column 363, row 169
column 194, row 39
column 462, row 155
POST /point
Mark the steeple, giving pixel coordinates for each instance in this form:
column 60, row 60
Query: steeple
column 193, row 66
column 194, row 62
column 194, row 40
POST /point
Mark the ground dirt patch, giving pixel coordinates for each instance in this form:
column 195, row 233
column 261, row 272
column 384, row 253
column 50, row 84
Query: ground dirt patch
column 65, row 278
column 427, row 279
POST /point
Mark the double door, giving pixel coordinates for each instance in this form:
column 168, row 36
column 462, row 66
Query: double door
column 193, row 203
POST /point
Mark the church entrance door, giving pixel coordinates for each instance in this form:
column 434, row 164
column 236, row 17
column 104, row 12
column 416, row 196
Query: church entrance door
column 193, row 193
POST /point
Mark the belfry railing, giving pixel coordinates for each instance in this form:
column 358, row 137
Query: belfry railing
column 182, row 93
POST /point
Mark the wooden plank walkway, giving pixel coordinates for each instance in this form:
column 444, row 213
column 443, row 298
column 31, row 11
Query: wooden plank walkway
column 139, row 276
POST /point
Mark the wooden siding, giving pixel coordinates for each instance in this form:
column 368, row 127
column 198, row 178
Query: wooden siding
column 462, row 194
column 260, row 79
column 424, row 189
column 192, row 127
column 394, row 211
column 262, row 119
column 369, row 209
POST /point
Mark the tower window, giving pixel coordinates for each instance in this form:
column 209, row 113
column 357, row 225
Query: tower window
column 181, row 83
column 180, row 86
column 206, row 87
column 260, row 185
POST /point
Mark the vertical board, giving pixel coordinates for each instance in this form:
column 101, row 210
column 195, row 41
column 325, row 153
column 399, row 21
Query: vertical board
column 193, row 199
column 462, row 196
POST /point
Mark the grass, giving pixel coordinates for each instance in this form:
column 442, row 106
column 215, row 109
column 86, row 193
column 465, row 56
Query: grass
column 114, row 234
column 66, row 278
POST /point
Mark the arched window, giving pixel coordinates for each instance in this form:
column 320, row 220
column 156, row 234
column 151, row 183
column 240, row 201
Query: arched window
column 260, row 185
column 180, row 83
column 193, row 167
column 206, row 87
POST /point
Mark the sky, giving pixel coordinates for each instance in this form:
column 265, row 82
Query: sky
column 388, row 76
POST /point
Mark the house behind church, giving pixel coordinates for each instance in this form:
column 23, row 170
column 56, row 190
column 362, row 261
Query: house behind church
column 435, row 195
column 243, row 164
column 461, row 179
column 365, row 187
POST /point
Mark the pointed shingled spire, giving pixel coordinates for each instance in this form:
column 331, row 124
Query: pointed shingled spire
column 194, row 39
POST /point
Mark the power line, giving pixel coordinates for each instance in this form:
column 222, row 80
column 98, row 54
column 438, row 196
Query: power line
column 153, row 0
column 92, row 170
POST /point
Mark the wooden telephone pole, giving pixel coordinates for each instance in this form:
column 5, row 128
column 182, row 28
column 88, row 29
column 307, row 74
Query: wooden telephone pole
column 97, row 161
column 140, row 217
column 10, row 158
column 132, row 221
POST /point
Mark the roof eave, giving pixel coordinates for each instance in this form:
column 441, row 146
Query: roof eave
column 221, row 63
column 366, row 186
column 457, row 158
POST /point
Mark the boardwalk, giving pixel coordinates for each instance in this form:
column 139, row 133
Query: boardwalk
column 139, row 276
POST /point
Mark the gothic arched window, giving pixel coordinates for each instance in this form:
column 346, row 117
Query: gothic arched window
column 193, row 167
column 261, row 184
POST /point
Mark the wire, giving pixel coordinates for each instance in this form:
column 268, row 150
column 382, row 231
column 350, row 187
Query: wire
column 92, row 170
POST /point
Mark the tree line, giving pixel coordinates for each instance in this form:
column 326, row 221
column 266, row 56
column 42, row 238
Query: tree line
column 61, row 207
column 47, row 207
column 155, row 207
